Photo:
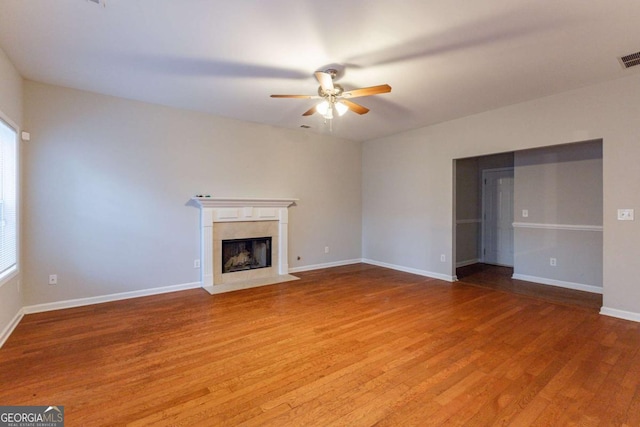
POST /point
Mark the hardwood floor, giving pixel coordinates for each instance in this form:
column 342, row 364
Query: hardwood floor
column 349, row 346
column 499, row 278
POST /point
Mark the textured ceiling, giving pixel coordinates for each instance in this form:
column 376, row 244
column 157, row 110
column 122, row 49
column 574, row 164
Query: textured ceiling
column 444, row 59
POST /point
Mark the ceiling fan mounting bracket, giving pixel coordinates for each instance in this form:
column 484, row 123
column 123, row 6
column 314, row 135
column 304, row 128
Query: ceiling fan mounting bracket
column 332, row 72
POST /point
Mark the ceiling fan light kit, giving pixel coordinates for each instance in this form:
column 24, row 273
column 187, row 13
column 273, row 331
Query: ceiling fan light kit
column 341, row 107
column 323, row 108
column 333, row 96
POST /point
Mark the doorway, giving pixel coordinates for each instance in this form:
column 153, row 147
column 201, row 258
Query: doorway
column 531, row 216
column 469, row 210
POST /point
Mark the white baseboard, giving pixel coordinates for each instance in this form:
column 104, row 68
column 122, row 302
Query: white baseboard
column 424, row 273
column 467, row 262
column 59, row 305
column 6, row 332
column 559, row 283
column 620, row 314
column 326, row 265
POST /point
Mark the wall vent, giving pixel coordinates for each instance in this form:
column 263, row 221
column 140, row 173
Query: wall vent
column 630, row 60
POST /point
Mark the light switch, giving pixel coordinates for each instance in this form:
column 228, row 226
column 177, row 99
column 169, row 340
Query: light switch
column 625, row 214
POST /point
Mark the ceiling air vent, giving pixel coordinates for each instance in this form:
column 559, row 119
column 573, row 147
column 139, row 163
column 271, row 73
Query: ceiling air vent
column 631, row 60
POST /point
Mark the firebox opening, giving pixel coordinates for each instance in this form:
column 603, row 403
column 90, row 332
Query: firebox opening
column 246, row 254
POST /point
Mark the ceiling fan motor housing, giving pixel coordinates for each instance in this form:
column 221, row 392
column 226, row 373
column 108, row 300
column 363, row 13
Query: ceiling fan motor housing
column 337, row 91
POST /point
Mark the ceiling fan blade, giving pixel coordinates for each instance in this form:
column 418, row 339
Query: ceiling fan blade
column 366, row 91
column 310, row 111
column 326, row 82
column 297, row 96
column 356, row 108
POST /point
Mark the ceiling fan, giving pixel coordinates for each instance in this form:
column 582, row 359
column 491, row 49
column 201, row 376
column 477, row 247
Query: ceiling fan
column 334, row 97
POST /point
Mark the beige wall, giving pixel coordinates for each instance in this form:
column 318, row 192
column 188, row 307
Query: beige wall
column 407, row 178
column 107, row 183
column 11, row 107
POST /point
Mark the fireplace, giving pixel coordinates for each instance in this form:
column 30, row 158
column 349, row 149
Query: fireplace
column 247, row 235
column 246, row 254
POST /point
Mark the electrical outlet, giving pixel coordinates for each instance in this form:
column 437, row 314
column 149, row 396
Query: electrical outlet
column 553, row 262
column 53, row 279
column 196, row 263
column 326, row 249
column 625, row 214
column 525, row 213
column 443, row 258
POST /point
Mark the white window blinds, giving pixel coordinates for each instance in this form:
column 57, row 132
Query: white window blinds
column 8, row 199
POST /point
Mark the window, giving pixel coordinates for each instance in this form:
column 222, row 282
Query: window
column 8, row 199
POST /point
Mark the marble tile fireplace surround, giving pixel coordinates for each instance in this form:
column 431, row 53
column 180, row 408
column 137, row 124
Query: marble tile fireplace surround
column 227, row 218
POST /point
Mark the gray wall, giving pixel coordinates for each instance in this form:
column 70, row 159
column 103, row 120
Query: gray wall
column 11, row 107
column 407, row 185
column 107, row 182
column 559, row 186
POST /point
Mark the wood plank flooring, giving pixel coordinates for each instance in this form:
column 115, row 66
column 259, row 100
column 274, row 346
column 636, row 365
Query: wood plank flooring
column 349, row 346
column 499, row 278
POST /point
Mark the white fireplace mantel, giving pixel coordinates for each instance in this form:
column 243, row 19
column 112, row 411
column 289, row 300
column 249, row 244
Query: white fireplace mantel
column 238, row 209
column 227, row 202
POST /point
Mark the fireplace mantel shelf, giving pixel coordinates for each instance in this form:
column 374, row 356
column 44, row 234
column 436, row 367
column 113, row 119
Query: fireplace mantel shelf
column 226, row 202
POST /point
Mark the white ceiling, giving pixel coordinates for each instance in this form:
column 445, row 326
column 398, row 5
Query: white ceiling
column 443, row 59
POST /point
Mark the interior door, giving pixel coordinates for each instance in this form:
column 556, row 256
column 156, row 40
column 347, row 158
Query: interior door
column 497, row 216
